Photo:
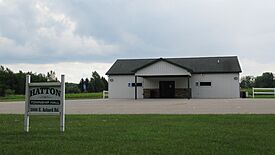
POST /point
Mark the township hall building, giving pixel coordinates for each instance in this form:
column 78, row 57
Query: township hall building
column 198, row 77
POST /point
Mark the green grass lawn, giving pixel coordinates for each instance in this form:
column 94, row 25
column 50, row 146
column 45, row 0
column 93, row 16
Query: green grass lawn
column 84, row 96
column 12, row 98
column 264, row 96
column 140, row 134
column 68, row 96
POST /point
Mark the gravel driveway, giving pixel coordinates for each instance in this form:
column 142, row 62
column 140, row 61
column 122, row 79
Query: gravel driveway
column 157, row 106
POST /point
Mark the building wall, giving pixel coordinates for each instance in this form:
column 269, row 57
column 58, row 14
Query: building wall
column 222, row 85
column 162, row 68
column 118, row 87
column 153, row 83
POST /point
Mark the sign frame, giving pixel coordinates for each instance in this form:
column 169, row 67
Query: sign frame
column 61, row 106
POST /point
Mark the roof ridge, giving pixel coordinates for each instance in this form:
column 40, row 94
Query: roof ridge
column 139, row 59
column 204, row 57
column 179, row 58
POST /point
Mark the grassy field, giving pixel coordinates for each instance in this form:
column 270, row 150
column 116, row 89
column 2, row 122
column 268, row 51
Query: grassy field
column 84, row 96
column 68, row 96
column 12, row 98
column 140, row 134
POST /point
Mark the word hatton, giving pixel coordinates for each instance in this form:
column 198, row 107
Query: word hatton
column 45, row 90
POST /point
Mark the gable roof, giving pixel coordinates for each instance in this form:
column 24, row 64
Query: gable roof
column 193, row 65
column 161, row 59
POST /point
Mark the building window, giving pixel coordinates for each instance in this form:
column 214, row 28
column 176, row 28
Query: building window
column 133, row 84
column 138, row 84
column 205, row 83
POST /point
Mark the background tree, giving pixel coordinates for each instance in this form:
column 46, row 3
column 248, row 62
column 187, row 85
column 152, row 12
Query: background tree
column 92, row 85
column 81, row 85
column 20, row 83
column 14, row 83
column 95, row 84
column 247, row 82
column 105, row 83
column 71, row 88
column 98, row 83
column 86, row 85
column 51, row 76
column 265, row 81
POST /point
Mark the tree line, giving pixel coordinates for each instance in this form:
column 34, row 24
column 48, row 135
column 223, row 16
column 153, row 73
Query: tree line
column 14, row 83
column 96, row 83
column 266, row 80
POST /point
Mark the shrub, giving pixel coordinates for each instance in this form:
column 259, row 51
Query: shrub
column 9, row 92
column 72, row 88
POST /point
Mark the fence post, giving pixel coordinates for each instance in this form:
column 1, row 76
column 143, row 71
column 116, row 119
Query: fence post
column 104, row 94
column 253, row 92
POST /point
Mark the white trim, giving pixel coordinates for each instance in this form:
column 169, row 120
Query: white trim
column 45, row 84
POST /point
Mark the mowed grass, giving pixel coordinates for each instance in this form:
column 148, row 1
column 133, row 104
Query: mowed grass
column 84, row 96
column 264, row 96
column 68, row 96
column 12, row 98
column 140, row 134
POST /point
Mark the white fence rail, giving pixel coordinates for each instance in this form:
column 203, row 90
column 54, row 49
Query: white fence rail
column 105, row 94
column 263, row 91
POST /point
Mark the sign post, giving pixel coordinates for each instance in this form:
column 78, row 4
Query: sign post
column 27, row 117
column 46, row 98
column 62, row 113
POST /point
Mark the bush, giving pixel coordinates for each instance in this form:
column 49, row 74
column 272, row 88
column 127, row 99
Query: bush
column 72, row 88
column 9, row 92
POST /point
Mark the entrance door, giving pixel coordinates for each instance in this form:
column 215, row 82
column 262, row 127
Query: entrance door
column 167, row 89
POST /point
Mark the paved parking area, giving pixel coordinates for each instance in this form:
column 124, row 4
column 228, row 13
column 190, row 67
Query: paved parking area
column 157, row 106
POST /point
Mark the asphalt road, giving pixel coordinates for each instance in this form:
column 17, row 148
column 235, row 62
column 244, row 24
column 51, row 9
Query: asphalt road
column 157, row 106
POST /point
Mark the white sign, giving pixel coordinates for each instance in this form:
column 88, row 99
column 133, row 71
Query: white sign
column 45, row 99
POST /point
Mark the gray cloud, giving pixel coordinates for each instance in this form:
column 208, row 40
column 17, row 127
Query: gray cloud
column 104, row 30
column 35, row 33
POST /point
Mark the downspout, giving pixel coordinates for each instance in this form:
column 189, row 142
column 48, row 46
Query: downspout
column 135, row 87
column 189, row 95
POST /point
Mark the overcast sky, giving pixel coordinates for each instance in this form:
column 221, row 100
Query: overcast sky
column 76, row 37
